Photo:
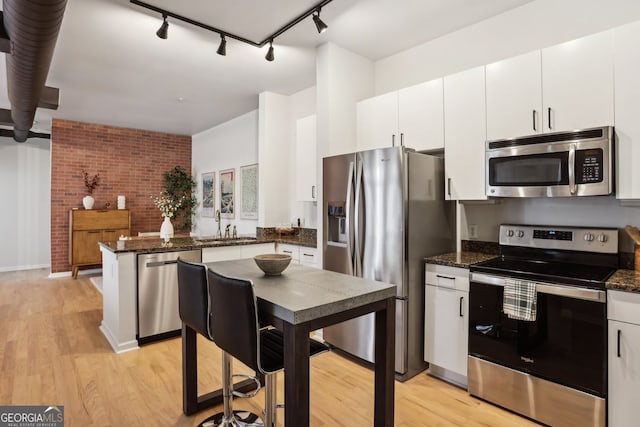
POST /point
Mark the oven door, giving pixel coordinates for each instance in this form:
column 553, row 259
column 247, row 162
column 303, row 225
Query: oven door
column 566, row 343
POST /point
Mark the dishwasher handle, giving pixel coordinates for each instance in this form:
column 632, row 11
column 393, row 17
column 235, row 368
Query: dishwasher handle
column 160, row 263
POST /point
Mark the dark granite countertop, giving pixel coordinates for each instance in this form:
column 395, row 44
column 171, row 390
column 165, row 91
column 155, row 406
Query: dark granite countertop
column 297, row 240
column 624, row 280
column 155, row 244
column 459, row 259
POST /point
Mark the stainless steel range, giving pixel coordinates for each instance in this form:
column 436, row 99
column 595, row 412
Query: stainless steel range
column 549, row 364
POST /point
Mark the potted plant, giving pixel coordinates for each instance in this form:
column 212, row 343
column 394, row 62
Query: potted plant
column 91, row 184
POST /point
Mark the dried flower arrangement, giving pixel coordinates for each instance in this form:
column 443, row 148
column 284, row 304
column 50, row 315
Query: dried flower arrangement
column 166, row 204
column 92, row 183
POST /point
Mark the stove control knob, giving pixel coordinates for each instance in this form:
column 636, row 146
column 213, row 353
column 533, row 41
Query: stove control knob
column 509, row 233
column 588, row 237
column 602, row 238
column 520, row 233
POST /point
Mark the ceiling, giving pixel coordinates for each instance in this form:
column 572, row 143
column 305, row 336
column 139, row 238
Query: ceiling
column 112, row 69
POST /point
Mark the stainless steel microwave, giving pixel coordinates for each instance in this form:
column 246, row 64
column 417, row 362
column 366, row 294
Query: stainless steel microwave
column 561, row 164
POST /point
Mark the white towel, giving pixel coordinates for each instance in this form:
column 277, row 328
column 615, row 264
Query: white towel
column 519, row 300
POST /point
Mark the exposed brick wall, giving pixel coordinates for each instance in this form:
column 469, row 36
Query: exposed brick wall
column 130, row 163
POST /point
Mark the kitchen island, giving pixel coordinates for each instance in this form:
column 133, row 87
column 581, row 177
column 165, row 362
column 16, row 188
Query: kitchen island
column 120, row 276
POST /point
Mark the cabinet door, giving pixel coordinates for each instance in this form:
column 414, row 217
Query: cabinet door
column 249, row 251
column 577, row 83
column 306, row 159
column 308, row 256
column 292, row 250
column 465, row 134
column 627, row 108
column 514, row 97
column 624, row 373
column 421, row 116
column 223, row 253
column 85, row 247
column 446, row 328
column 114, row 235
column 377, row 122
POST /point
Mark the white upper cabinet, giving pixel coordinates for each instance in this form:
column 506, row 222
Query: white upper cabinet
column 412, row 117
column 306, row 159
column 465, row 133
column 377, row 125
column 514, row 97
column 577, row 83
column 421, row 116
column 627, row 107
column 564, row 87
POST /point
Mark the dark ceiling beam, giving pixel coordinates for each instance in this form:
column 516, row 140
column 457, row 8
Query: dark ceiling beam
column 50, row 98
column 5, row 43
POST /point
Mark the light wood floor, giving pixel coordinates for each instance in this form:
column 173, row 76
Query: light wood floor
column 52, row 353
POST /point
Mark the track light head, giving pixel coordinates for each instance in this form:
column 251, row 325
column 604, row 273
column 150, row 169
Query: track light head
column 320, row 25
column 222, row 49
column 269, row 56
column 164, row 28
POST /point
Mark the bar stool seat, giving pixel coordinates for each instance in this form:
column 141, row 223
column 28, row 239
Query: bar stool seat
column 235, row 329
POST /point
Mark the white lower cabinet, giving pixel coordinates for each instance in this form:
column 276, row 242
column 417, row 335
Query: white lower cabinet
column 225, row 253
column 446, row 322
column 299, row 254
column 623, row 311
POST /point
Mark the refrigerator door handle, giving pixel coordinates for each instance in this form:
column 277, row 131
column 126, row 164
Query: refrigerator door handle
column 357, row 217
column 349, row 219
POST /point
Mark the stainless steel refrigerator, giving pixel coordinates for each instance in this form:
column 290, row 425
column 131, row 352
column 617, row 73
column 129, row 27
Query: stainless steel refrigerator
column 384, row 212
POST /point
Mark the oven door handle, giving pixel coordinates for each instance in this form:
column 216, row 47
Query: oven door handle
column 545, row 288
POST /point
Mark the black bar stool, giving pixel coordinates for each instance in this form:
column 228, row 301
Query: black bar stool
column 236, row 331
column 194, row 304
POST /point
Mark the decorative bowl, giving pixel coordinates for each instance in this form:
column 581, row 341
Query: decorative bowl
column 272, row 264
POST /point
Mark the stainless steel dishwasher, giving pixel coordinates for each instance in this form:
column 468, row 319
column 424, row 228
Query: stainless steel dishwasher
column 158, row 316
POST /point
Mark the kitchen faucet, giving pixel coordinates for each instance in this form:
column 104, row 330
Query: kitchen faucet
column 234, row 234
column 218, row 233
column 226, row 232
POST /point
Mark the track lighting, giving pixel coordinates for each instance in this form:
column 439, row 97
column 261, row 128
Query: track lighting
column 269, row 56
column 162, row 32
column 320, row 26
column 222, row 49
column 164, row 28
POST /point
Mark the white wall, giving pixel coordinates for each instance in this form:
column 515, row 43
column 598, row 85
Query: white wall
column 342, row 78
column 532, row 26
column 230, row 145
column 25, row 210
column 577, row 211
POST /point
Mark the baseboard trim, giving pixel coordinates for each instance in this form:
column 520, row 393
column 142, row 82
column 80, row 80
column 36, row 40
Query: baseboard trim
column 23, row 267
column 117, row 347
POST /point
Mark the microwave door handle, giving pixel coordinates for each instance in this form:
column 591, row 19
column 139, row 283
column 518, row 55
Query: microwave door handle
column 572, row 169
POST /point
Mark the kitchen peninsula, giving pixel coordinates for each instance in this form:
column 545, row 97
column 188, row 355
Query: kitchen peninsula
column 120, row 275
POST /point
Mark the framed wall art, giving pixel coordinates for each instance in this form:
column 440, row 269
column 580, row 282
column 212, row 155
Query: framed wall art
column 208, row 194
column 249, row 192
column 227, row 196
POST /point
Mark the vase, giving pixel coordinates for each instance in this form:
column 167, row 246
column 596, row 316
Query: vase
column 87, row 202
column 166, row 229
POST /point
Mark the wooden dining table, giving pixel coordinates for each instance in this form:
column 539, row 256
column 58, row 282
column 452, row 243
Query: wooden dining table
column 297, row 302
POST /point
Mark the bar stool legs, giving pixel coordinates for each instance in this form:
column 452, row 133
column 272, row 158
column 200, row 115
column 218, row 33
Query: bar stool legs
column 270, row 400
column 230, row 417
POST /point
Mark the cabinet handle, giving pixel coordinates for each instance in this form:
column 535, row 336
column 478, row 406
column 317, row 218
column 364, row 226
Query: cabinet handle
column 402, row 139
column 445, row 277
column 549, row 117
column 313, row 191
column 287, row 252
column 461, row 313
column 95, row 231
column 393, row 140
column 310, row 255
column 449, row 186
column 534, row 120
column 619, row 331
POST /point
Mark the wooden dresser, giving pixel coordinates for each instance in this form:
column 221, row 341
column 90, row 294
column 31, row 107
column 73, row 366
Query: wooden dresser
column 88, row 227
